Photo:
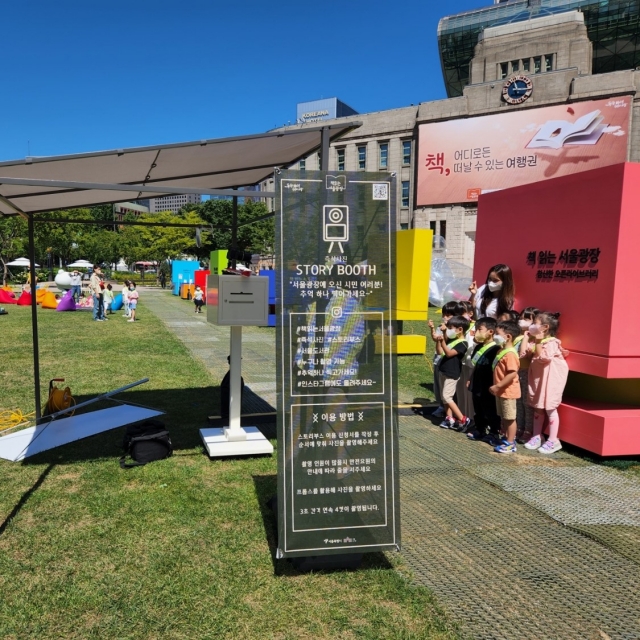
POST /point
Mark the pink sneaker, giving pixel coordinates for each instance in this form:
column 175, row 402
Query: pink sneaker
column 550, row 446
column 534, row 443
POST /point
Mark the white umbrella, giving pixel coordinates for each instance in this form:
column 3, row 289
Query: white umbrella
column 20, row 262
column 81, row 264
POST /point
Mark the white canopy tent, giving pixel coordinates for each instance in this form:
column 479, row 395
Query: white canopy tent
column 205, row 167
column 20, row 262
column 80, row 264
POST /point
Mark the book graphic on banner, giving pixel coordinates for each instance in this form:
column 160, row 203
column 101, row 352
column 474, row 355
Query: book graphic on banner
column 555, row 134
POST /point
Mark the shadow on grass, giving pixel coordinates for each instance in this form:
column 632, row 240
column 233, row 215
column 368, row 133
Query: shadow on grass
column 187, row 411
column 25, row 497
column 266, row 489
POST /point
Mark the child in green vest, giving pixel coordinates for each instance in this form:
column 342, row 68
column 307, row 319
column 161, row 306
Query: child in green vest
column 452, row 349
column 506, row 385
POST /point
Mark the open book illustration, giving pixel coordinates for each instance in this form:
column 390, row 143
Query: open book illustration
column 555, row 134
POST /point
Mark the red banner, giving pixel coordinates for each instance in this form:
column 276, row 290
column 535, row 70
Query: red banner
column 460, row 159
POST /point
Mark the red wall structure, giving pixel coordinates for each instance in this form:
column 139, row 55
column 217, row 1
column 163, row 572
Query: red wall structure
column 572, row 243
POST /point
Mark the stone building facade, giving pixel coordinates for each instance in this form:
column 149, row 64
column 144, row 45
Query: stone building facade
column 553, row 51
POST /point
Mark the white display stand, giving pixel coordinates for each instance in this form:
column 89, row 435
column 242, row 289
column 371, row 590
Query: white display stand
column 236, row 301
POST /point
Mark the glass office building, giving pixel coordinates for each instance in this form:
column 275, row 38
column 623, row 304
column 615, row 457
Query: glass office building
column 613, row 27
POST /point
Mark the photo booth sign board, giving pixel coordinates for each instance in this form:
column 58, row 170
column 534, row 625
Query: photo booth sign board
column 571, row 243
column 337, row 425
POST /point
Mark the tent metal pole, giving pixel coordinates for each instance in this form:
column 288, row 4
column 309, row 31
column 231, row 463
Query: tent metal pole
column 234, row 230
column 325, row 139
column 34, row 321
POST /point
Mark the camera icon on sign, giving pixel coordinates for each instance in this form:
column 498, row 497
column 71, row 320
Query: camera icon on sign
column 336, row 312
column 335, row 225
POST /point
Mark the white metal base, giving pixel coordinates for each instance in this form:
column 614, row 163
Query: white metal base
column 218, row 446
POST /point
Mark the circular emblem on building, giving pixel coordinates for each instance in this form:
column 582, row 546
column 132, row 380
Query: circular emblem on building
column 517, row 89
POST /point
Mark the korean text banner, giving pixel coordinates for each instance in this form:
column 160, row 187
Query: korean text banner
column 459, row 159
column 337, row 424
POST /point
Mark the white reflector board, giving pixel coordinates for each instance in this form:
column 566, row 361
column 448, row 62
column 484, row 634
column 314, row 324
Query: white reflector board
column 22, row 444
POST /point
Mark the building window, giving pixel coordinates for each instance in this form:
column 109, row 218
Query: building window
column 303, row 164
column 362, row 158
column 432, row 226
column 504, row 70
column 443, row 229
column 340, row 153
column 405, row 193
column 515, row 66
column 526, row 65
column 384, row 155
column 404, row 226
column 548, row 63
column 537, row 64
column 406, row 152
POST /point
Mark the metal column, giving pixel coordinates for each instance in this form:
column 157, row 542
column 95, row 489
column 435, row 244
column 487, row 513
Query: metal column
column 34, row 320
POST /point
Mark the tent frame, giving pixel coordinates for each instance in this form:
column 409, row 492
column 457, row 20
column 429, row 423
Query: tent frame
column 325, row 140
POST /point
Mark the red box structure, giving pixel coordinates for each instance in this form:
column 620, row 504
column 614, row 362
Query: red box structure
column 572, row 244
column 200, row 278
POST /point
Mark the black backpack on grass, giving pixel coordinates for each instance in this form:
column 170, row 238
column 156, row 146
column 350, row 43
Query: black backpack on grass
column 145, row 442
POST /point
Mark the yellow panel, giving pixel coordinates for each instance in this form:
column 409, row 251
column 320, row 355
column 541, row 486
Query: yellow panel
column 218, row 261
column 404, row 345
column 413, row 269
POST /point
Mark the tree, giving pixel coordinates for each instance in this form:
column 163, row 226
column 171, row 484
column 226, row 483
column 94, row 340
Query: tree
column 13, row 241
column 163, row 243
column 258, row 237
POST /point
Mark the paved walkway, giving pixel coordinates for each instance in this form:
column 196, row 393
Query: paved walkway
column 519, row 546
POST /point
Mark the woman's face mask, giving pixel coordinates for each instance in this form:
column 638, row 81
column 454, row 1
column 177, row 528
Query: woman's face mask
column 494, row 286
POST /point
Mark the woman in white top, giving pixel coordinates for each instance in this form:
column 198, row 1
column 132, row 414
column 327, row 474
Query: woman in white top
column 496, row 296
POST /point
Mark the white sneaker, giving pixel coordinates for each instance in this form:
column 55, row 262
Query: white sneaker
column 534, row 443
column 550, row 447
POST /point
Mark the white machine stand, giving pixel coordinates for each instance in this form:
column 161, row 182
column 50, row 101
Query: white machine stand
column 236, row 301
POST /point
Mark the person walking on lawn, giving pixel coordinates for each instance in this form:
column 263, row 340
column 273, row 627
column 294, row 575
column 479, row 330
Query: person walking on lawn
column 96, row 291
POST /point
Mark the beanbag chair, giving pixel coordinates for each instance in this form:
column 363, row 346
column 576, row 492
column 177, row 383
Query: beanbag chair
column 6, row 297
column 67, row 303
column 49, row 301
column 25, row 299
column 9, row 290
column 40, row 294
column 116, row 305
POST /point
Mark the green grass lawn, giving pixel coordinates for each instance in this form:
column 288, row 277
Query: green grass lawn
column 415, row 373
column 182, row 548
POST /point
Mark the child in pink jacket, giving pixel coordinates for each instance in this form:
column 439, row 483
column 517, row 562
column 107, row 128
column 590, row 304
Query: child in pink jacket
column 548, row 374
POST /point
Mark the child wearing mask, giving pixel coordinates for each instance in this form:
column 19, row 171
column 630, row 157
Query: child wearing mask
column 133, row 300
column 487, row 422
column 506, row 386
column 108, row 300
column 449, row 310
column 449, row 369
column 548, row 375
column 463, row 396
column 125, row 299
column 198, row 299
column 524, row 418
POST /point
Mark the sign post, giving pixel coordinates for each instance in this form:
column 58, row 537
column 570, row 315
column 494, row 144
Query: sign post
column 337, row 425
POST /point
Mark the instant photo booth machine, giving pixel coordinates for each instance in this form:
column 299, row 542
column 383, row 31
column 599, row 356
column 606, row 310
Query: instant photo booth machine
column 236, row 301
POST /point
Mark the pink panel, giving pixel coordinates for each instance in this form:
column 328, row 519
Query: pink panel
column 607, row 430
column 581, row 211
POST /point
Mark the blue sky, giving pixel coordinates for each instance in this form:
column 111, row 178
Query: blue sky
column 86, row 75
